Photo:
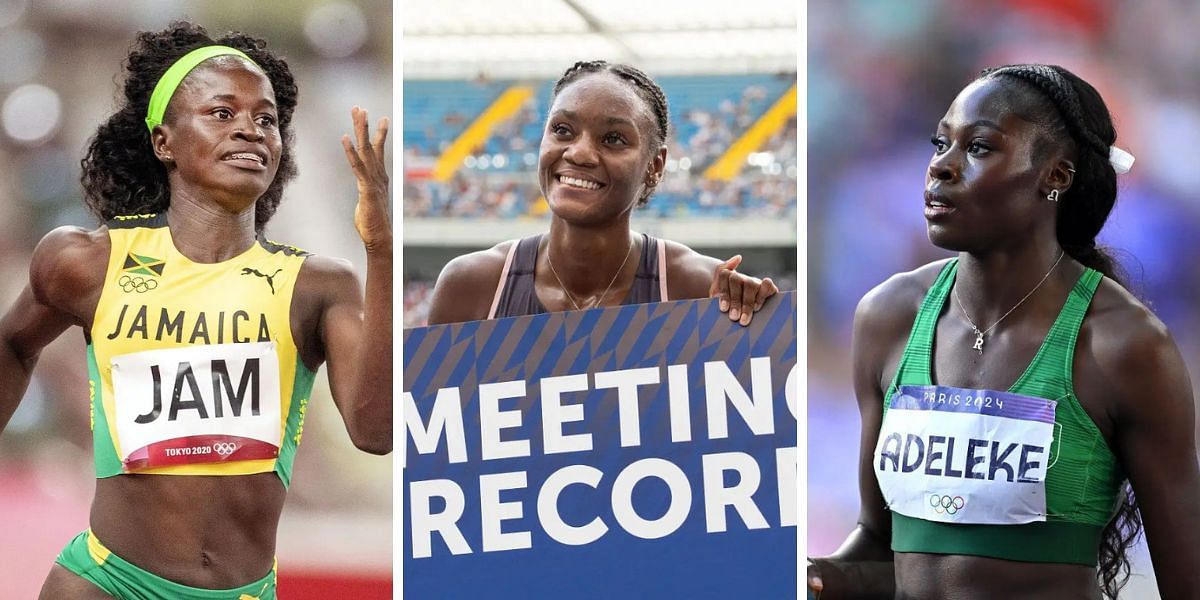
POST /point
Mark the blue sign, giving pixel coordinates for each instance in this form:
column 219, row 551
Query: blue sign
column 642, row 451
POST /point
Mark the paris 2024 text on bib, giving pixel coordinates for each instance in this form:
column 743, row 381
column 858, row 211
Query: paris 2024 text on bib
column 966, row 456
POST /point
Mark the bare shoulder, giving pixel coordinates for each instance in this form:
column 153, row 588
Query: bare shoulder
column 689, row 273
column 895, row 302
column 69, row 265
column 1124, row 340
column 1128, row 369
column 467, row 284
column 883, row 320
column 327, row 274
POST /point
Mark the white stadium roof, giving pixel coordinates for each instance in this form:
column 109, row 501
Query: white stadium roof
column 536, row 38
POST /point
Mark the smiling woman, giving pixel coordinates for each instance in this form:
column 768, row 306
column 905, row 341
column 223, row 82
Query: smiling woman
column 602, row 154
column 203, row 336
column 1005, row 433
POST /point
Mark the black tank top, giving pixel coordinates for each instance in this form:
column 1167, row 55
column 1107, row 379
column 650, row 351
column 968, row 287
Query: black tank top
column 515, row 295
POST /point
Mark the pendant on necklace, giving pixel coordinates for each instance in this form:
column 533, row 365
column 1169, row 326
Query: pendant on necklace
column 978, row 342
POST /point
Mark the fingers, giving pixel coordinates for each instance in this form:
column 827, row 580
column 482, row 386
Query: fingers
column 381, row 132
column 736, row 283
column 750, row 292
column 720, row 288
column 765, row 290
column 365, row 152
column 815, row 584
column 359, row 116
column 352, row 156
column 720, row 274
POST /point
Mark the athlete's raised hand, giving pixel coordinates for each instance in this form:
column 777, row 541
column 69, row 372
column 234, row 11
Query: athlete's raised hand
column 367, row 161
column 741, row 295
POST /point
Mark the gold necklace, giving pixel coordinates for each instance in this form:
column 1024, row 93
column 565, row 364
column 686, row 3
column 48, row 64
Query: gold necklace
column 979, row 334
column 610, row 284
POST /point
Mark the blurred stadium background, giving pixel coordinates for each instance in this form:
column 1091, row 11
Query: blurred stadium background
column 60, row 66
column 477, row 83
column 880, row 75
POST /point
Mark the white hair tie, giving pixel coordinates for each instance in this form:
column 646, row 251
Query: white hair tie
column 1120, row 160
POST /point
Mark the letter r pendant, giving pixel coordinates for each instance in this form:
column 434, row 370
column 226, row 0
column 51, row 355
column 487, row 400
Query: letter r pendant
column 978, row 347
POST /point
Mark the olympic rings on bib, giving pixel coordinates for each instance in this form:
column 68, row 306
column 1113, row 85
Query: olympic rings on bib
column 133, row 283
column 943, row 504
column 224, row 448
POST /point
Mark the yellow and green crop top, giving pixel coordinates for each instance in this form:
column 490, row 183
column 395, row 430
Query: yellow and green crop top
column 192, row 367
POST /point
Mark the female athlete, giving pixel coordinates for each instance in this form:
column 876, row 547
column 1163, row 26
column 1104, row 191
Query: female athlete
column 602, row 154
column 1011, row 396
column 203, row 337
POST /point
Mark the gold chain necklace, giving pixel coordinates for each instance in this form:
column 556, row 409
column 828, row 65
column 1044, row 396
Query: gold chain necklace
column 979, row 334
column 610, row 284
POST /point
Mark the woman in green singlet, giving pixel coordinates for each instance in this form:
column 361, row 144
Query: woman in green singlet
column 1017, row 399
column 203, row 336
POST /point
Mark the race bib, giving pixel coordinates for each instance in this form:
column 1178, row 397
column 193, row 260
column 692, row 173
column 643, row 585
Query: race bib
column 965, row 456
column 200, row 404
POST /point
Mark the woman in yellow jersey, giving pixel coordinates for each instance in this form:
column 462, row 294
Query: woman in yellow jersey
column 203, row 337
column 1010, row 396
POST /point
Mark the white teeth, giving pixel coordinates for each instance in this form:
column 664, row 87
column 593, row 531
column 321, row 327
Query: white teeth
column 579, row 183
column 253, row 157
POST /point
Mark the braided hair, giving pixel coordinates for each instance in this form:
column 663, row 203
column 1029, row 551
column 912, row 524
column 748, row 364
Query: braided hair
column 1074, row 114
column 646, row 89
column 122, row 176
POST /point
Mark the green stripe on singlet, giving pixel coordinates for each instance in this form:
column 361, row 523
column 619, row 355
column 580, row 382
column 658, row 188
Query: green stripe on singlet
column 1083, row 479
column 294, row 426
column 107, row 462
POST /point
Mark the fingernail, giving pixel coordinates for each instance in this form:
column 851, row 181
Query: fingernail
column 724, row 305
column 735, row 314
column 746, row 319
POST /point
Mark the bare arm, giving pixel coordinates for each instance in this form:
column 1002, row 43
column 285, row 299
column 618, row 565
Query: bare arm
column 357, row 333
column 694, row 275
column 862, row 566
column 1150, row 398
column 64, row 280
column 467, row 285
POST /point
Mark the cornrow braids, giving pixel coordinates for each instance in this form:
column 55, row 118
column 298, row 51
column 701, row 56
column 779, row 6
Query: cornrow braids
column 1071, row 107
column 121, row 175
column 645, row 87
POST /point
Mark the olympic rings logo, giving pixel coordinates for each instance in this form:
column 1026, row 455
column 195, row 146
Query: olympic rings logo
column 131, row 283
column 943, row 504
column 224, row 448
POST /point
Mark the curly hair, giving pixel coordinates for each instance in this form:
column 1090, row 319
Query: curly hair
column 1076, row 115
column 646, row 88
column 122, row 176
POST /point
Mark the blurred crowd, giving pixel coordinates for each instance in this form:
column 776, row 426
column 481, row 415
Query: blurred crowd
column 499, row 180
column 881, row 74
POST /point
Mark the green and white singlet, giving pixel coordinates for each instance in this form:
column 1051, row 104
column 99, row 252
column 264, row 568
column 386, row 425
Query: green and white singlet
column 1021, row 474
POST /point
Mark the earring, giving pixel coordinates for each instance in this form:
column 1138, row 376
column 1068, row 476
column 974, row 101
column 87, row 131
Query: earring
column 1052, row 196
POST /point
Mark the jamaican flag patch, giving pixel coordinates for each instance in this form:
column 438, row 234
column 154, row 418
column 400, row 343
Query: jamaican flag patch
column 143, row 265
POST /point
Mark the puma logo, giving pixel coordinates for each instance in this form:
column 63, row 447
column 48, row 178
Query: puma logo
column 270, row 278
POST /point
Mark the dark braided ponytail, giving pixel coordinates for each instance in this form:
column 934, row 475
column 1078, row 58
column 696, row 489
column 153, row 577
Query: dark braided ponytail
column 1076, row 115
column 1076, row 109
column 646, row 88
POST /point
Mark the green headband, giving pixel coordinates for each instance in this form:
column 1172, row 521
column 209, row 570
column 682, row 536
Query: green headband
column 165, row 88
